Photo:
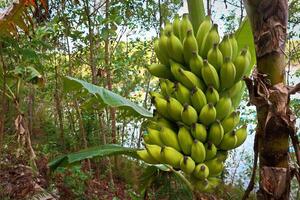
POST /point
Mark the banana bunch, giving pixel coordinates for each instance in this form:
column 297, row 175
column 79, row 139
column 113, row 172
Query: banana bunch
column 195, row 123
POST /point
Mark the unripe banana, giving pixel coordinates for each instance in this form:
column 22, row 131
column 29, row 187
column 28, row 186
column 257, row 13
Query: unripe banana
column 215, row 57
column 230, row 122
column 155, row 152
column 222, row 155
column 145, row 156
column 212, row 95
column 201, row 171
column 162, row 56
column 241, row 135
column 155, row 94
column 216, row 133
column 198, row 151
column 154, row 137
column 182, row 94
column 208, row 114
column 160, row 71
column 185, row 140
column 185, row 25
column 176, row 25
column 211, row 38
column 196, row 63
column 170, row 88
column 198, row 99
column 234, row 46
column 210, row 75
column 187, row 165
column 214, row 182
column 203, row 30
column 163, row 45
column 199, row 132
column 175, row 48
column 190, row 80
column 202, row 185
column 211, row 150
column 168, row 27
column 189, row 46
column 163, row 88
column 225, row 47
column 227, row 74
column 241, row 64
column 175, row 69
column 189, row 115
column 174, row 108
column 215, row 166
column 161, row 106
column 171, row 156
column 223, row 107
column 234, row 90
column 169, row 138
column 146, row 138
column 229, row 141
column 162, row 122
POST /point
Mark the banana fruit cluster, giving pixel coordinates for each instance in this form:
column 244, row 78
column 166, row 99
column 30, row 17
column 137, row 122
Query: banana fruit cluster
column 194, row 123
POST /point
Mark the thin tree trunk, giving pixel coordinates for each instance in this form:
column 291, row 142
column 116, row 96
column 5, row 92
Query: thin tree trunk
column 271, row 97
column 208, row 7
column 3, row 99
column 31, row 109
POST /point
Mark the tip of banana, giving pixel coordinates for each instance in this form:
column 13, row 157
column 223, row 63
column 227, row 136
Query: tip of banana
column 195, row 141
column 202, row 168
column 227, row 59
column 210, row 105
column 205, row 62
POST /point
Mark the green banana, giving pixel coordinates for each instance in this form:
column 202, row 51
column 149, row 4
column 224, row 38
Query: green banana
column 170, row 88
column 190, row 80
column 225, row 47
column 230, row 122
column 163, row 45
column 154, row 137
column 174, row 108
column 145, row 156
column 168, row 27
column 198, row 99
column 203, row 30
column 211, row 38
column 241, row 135
column 169, row 138
column 175, row 69
column 216, row 133
column 162, row 56
column 156, row 94
column 163, row 88
column 185, row 25
column 187, row 165
column 176, row 25
column 201, row 171
column 210, row 75
column 155, row 152
column 161, row 106
column 198, row 151
column 171, row 156
column 234, row 90
column 215, row 166
column 182, row 94
column 196, row 63
column 175, row 48
column 199, row 132
column 208, row 114
column 189, row 46
column 234, row 46
column 162, row 122
column 160, row 71
column 189, row 115
column 242, row 64
column 227, row 74
column 211, row 150
column 214, row 182
column 212, row 95
column 222, row 155
column 215, row 57
column 229, row 141
column 185, row 140
column 202, row 185
column 223, row 107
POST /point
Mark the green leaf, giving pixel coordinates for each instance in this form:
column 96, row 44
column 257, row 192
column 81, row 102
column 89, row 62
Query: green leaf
column 99, row 151
column 105, row 96
column 245, row 38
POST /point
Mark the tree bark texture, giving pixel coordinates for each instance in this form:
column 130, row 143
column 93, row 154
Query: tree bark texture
column 270, row 95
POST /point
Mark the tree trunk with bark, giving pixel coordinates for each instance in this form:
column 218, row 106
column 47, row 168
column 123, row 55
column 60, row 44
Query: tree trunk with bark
column 270, row 95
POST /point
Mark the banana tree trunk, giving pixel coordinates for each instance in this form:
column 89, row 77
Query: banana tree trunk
column 270, row 95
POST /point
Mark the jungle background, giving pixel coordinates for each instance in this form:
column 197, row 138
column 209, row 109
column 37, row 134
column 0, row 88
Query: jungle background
column 109, row 44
